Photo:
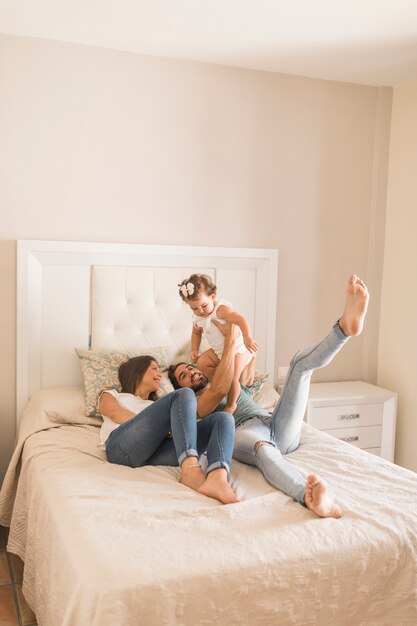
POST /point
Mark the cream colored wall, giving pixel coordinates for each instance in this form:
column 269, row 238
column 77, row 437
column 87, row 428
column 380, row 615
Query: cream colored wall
column 100, row 145
column 398, row 332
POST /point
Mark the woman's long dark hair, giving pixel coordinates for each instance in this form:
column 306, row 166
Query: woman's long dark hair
column 132, row 371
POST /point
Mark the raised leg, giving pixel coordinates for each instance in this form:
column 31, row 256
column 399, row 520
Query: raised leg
column 289, row 413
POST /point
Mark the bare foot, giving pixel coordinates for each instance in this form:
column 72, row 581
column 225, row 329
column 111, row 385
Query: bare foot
column 318, row 500
column 357, row 297
column 191, row 474
column 216, row 486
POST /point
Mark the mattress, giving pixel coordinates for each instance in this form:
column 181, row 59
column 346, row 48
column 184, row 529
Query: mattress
column 105, row 544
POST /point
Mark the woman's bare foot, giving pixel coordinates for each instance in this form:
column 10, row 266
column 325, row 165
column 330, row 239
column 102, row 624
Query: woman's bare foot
column 357, row 297
column 191, row 473
column 318, row 500
column 216, row 486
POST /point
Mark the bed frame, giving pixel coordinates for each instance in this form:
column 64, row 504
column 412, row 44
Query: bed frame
column 63, row 291
column 147, row 547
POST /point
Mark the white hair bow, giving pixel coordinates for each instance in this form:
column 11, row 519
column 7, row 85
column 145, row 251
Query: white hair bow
column 187, row 290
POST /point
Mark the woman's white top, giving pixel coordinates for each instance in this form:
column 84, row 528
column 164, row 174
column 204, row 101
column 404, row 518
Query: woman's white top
column 126, row 401
column 214, row 336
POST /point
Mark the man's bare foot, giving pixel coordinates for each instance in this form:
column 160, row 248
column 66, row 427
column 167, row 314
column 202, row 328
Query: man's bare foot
column 357, row 297
column 318, row 500
column 191, row 473
column 216, row 486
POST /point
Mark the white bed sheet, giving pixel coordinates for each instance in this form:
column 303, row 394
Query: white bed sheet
column 106, row 545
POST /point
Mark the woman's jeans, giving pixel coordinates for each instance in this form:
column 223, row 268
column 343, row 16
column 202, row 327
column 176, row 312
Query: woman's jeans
column 283, row 428
column 143, row 440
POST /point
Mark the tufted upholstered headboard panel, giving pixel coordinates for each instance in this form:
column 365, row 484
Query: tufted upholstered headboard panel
column 73, row 294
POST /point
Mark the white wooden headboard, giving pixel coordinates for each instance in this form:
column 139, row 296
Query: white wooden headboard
column 73, row 294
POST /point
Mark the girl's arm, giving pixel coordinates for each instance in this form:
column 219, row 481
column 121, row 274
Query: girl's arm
column 195, row 342
column 109, row 407
column 230, row 315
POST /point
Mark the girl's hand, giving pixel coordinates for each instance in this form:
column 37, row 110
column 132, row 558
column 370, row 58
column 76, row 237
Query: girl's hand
column 250, row 343
column 194, row 356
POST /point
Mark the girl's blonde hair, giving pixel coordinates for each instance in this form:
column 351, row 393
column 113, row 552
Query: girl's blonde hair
column 191, row 288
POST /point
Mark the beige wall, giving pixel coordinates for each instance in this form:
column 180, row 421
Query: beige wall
column 397, row 367
column 100, row 145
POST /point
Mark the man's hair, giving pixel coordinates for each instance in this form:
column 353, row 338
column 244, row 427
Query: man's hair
column 171, row 374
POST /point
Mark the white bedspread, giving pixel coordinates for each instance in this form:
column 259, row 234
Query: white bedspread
column 106, row 545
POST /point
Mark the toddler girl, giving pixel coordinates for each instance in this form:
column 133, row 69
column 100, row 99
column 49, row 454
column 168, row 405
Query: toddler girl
column 199, row 292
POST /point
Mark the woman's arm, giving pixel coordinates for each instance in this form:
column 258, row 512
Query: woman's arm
column 109, row 407
column 230, row 315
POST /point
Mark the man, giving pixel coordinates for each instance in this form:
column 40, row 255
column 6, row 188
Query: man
column 262, row 439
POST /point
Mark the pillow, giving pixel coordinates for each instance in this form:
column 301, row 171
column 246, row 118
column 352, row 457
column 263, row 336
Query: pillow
column 166, row 386
column 259, row 380
column 101, row 367
column 62, row 405
column 267, row 397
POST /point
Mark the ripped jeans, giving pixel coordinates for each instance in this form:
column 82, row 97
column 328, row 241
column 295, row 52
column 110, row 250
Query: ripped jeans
column 283, row 428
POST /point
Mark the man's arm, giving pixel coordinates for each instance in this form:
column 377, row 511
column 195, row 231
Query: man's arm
column 223, row 375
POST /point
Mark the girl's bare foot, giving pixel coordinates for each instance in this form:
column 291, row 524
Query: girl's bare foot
column 191, row 473
column 357, row 297
column 318, row 500
column 216, row 486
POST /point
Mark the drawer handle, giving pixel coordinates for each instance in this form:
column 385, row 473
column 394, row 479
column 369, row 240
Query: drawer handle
column 349, row 439
column 349, row 416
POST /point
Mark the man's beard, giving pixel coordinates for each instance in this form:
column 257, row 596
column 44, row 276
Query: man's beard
column 200, row 385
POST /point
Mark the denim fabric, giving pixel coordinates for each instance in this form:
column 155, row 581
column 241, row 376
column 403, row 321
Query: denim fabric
column 267, row 458
column 143, row 439
column 246, row 407
column 283, row 427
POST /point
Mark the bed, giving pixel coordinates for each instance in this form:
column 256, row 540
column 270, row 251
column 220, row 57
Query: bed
column 105, row 544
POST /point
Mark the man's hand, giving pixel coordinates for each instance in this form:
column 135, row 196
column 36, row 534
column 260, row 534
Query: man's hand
column 227, row 329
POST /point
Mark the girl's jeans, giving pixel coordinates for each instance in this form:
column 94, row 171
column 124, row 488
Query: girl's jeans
column 143, row 439
column 283, row 428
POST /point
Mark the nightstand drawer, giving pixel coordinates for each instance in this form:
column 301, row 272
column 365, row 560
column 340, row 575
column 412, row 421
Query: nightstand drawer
column 361, row 437
column 346, row 416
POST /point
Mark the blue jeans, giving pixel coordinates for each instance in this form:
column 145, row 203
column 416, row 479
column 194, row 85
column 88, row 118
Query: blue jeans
column 283, row 428
column 143, row 439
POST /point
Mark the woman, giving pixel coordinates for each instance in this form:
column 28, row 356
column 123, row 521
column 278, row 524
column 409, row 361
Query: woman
column 139, row 429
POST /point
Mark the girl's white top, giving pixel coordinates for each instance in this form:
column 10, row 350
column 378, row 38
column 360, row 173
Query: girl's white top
column 126, row 401
column 213, row 335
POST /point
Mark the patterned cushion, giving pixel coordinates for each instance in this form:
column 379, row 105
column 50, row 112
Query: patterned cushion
column 259, row 381
column 101, row 367
column 166, row 386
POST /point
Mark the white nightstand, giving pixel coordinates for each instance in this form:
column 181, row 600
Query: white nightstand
column 356, row 412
